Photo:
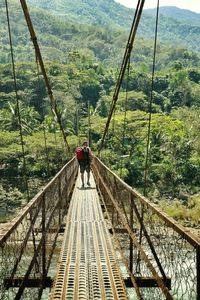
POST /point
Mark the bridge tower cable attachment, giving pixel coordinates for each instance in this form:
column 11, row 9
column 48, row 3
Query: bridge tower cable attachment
column 129, row 46
column 17, row 105
column 40, row 60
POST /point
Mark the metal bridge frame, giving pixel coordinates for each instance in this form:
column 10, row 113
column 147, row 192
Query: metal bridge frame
column 158, row 253
column 161, row 251
column 28, row 242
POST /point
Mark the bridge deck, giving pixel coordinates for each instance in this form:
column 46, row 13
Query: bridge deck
column 87, row 266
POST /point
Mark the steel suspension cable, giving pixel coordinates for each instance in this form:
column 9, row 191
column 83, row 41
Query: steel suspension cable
column 129, row 46
column 89, row 125
column 125, row 116
column 77, row 124
column 39, row 56
column 59, row 162
column 43, row 126
column 151, row 101
column 17, row 103
column 148, row 148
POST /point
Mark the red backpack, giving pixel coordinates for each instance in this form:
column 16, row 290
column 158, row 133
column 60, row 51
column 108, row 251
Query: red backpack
column 79, row 153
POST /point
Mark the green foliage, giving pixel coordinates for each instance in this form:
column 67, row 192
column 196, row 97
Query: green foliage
column 10, row 200
column 12, row 117
column 100, row 37
column 174, row 145
column 174, row 152
column 173, row 27
column 186, row 213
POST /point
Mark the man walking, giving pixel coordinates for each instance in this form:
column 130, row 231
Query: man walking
column 84, row 156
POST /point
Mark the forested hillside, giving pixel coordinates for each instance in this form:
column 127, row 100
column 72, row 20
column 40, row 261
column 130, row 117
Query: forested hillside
column 183, row 15
column 97, row 12
column 82, row 62
column 102, row 44
column 176, row 26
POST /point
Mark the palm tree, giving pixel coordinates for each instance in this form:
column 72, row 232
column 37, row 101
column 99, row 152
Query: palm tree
column 9, row 118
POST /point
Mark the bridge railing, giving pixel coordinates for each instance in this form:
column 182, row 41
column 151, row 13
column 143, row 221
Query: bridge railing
column 27, row 244
column 162, row 257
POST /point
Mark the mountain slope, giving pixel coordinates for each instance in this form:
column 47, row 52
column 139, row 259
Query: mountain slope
column 176, row 26
column 96, row 12
column 58, row 38
column 183, row 15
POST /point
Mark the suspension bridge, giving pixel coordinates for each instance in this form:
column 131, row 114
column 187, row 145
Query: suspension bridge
column 114, row 243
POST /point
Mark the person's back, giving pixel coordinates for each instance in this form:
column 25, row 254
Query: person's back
column 84, row 162
column 86, row 154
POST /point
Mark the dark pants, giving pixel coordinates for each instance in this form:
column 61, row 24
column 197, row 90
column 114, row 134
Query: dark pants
column 84, row 166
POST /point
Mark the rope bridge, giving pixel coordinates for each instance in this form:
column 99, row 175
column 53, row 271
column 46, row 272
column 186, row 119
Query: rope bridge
column 159, row 257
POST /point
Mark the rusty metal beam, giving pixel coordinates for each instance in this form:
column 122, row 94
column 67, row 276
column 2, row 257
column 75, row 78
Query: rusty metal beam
column 185, row 233
column 134, row 239
column 5, row 232
column 39, row 216
column 117, row 244
column 144, row 282
column 173, row 243
column 29, row 283
column 198, row 272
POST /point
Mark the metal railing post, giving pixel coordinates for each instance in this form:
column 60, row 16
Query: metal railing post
column 60, row 200
column 131, row 242
column 43, row 240
column 198, row 272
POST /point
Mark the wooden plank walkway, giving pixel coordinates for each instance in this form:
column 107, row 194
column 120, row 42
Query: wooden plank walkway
column 87, row 267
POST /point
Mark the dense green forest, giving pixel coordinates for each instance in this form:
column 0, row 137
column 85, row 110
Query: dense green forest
column 105, row 42
column 176, row 26
column 82, row 63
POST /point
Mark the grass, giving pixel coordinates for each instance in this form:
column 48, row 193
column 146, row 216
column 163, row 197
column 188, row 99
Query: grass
column 189, row 212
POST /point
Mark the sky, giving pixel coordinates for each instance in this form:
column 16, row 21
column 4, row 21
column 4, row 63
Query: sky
column 193, row 5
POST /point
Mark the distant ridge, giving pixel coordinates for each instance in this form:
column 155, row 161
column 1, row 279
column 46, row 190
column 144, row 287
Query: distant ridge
column 91, row 12
column 102, row 12
column 174, row 12
column 97, row 28
column 176, row 26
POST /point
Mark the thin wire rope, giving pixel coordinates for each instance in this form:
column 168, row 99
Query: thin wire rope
column 125, row 117
column 43, row 126
column 89, row 125
column 113, row 127
column 77, row 124
column 150, row 104
column 109, row 139
column 56, row 145
column 17, row 103
column 148, row 136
